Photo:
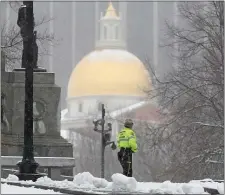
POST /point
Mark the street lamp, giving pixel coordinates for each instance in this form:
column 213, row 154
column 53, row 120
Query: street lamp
column 105, row 138
column 28, row 166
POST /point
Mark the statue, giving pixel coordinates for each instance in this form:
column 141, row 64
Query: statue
column 38, row 124
column 22, row 23
column 4, row 121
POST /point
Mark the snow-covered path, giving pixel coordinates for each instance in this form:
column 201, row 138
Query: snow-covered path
column 10, row 189
column 85, row 182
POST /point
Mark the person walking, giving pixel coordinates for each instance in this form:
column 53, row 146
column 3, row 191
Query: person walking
column 127, row 143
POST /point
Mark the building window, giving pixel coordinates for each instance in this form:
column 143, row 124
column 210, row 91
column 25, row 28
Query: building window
column 80, row 107
column 116, row 32
column 105, row 32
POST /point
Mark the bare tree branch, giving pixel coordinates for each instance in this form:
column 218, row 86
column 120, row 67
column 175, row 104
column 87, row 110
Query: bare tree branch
column 192, row 96
column 11, row 41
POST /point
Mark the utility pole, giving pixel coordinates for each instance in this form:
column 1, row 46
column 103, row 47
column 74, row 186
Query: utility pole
column 103, row 144
column 105, row 138
column 28, row 166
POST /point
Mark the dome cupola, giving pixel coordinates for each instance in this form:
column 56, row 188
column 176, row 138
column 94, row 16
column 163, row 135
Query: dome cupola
column 110, row 30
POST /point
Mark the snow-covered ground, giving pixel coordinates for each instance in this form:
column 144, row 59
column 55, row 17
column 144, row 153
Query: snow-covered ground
column 10, row 189
column 120, row 183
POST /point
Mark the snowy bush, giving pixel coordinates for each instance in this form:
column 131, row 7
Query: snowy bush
column 86, row 179
column 220, row 188
column 193, row 188
column 209, row 183
column 12, row 178
column 166, row 184
column 121, row 182
column 44, row 180
column 100, row 183
column 170, row 188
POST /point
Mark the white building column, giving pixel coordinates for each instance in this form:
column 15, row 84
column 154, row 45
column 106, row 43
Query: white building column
column 123, row 12
column 97, row 21
column 101, row 28
column 51, row 30
column 73, row 55
column 155, row 35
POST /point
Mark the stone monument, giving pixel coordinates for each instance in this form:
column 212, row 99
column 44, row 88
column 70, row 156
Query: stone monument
column 46, row 111
column 46, row 108
column 47, row 139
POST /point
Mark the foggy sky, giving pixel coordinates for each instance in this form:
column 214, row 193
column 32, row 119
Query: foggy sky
column 139, row 34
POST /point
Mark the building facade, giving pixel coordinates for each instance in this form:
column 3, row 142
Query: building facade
column 112, row 76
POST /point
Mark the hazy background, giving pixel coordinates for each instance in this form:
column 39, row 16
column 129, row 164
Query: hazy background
column 74, row 26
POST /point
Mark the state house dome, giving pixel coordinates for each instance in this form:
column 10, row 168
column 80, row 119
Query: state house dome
column 110, row 69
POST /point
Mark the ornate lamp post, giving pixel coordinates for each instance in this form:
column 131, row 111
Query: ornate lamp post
column 28, row 166
column 105, row 138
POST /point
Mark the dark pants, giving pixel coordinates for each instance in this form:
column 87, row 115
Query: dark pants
column 125, row 159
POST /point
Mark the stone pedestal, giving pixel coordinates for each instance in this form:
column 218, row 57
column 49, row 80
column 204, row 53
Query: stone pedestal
column 39, row 69
column 47, row 139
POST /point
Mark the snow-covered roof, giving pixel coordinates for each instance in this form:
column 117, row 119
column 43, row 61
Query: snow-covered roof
column 114, row 55
column 127, row 109
column 140, row 111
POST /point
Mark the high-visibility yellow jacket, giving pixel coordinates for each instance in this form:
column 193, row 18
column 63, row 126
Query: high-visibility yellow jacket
column 126, row 138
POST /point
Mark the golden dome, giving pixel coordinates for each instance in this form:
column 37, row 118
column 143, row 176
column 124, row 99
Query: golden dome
column 109, row 72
